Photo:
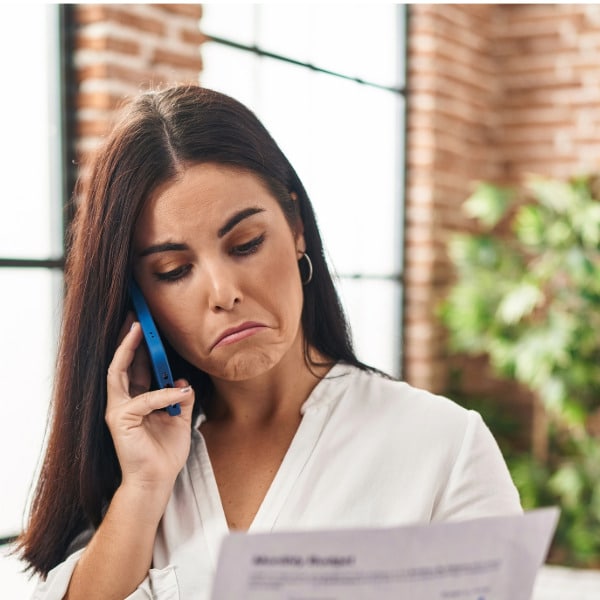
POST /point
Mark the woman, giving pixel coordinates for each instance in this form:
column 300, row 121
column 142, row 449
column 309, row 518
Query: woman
column 281, row 426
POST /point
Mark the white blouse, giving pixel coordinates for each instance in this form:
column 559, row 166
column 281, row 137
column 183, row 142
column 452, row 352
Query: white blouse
column 368, row 452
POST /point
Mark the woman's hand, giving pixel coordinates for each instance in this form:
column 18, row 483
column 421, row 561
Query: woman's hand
column 151, row 445
column 152, row 448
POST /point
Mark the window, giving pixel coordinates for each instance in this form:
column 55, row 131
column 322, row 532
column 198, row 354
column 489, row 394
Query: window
column 327, row 82
column 31, row 251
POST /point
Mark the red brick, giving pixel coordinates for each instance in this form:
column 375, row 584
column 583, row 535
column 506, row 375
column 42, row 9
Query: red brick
column 103, row 43
column 177, row 59
column 128, row 15
column 98, row 100
column 194, row 11
column 90, row 13
column 192, row 37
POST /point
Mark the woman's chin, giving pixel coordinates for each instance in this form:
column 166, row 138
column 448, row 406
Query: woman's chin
column 242, row 366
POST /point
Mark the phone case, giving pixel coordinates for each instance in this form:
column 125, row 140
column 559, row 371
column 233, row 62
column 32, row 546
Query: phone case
column 158, row 356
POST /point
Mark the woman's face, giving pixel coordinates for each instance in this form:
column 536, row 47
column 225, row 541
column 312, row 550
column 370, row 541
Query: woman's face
column 218, row 264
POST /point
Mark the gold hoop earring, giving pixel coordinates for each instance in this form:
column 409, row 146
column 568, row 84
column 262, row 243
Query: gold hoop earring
column 309, row 277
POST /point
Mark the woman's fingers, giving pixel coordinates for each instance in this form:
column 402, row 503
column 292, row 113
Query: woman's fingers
column 151, row 445
column 118, row 370
column 140, row 376
column 144, row 404
column 128, row 382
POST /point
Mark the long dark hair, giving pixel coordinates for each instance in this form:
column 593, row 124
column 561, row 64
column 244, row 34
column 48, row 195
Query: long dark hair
column 159, row 133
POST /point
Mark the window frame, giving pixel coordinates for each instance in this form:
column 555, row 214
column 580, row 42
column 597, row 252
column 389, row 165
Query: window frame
column 397, row 277
column 63, row 102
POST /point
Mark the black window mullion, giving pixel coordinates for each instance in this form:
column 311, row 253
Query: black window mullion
column 36, row 263
column 265, row 53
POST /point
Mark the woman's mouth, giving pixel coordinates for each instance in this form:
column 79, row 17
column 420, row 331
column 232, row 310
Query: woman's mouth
column 235, row 334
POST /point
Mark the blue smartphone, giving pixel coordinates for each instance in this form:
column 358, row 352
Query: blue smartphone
column 158, row 356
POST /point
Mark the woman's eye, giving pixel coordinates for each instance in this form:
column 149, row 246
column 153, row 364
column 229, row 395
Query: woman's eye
column 249, row 247
column 175, row 274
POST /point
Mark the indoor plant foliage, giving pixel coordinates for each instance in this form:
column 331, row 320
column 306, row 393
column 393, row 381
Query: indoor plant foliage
column 527, row 294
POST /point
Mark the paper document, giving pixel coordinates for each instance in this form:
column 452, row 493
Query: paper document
column 495, row 558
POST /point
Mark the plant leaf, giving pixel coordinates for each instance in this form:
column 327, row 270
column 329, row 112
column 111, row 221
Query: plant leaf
column 555, row 194
column 519, row 303
column 488, row 204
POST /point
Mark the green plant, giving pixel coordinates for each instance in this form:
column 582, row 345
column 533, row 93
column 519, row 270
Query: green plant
column 527, row 294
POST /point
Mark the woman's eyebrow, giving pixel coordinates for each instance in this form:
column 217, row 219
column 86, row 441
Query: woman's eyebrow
column 237, row 218
column 229, row 225
column 166, row 247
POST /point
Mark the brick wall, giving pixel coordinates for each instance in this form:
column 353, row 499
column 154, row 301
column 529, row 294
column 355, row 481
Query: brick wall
column 549, row 59
column 495, row 91
column 120, row 49
column 452, row 138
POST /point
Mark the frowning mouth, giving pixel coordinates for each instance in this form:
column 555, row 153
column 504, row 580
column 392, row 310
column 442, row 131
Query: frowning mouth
column 235, row 334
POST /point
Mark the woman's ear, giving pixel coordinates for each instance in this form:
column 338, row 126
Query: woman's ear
column 298, row 229
column 300, row 245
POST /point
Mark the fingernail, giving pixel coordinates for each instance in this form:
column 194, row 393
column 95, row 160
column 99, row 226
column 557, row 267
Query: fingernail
column 186, row 389
column 133, row 326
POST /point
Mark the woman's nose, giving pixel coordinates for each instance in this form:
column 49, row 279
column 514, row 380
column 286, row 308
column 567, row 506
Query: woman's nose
column 223, row 288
